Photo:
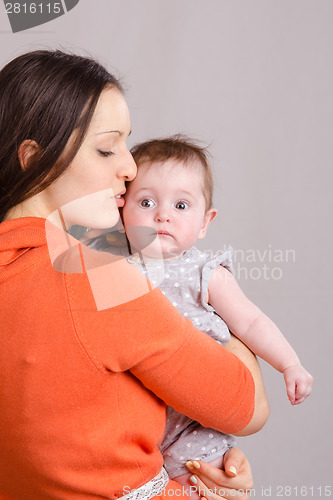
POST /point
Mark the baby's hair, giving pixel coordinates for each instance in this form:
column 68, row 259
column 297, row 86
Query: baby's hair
column 177, row 147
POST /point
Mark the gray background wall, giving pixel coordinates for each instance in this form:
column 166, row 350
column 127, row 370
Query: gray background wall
column 254, row 80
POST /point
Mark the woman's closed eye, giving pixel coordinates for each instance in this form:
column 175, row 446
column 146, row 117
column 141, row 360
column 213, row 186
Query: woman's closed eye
column 181, row 205
column 105, row 153
column 147, row 203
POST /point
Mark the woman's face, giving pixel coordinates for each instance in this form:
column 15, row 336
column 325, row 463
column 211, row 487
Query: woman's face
column 89, row 192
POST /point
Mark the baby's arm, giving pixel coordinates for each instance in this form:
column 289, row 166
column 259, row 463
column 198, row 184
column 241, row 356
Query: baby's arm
column 258, row 332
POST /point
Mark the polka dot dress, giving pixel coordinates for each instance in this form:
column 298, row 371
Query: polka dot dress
column 184, row 281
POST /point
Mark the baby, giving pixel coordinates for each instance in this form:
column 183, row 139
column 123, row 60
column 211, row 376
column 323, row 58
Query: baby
column 168, row 208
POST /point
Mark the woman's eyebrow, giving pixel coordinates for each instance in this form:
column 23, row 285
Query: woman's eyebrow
column 113, row 132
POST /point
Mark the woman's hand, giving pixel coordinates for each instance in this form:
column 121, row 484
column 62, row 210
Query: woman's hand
column 234, row 482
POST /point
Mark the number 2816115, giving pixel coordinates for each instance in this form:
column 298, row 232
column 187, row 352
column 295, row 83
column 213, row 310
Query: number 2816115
column 33, row 8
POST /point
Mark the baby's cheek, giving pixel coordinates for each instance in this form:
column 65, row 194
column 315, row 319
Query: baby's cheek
column 127, row 214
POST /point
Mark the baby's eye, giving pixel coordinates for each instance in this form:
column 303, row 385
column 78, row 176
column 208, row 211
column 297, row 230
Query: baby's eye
column 147, row 203
column 181, row 205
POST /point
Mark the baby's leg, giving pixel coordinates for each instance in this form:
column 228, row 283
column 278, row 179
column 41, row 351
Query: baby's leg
column 187, row 486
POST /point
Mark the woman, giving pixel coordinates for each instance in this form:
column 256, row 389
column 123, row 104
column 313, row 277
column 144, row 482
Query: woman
column 87, row 355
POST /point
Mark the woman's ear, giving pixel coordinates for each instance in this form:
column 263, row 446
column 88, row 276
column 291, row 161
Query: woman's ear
column 209, row 216
column 27, row 151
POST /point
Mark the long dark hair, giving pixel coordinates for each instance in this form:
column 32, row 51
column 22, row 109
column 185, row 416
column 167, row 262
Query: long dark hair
column 44, row 96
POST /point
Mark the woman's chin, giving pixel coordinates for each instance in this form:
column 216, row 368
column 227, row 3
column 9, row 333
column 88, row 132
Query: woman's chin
column 104, row 221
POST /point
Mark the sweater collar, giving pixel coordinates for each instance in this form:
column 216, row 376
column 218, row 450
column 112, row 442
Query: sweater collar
column 17, row 236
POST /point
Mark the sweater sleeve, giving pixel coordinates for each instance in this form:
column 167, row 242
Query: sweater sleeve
column 199, row 378
column 181, row 365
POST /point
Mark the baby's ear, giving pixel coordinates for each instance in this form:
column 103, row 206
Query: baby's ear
column 209, row 216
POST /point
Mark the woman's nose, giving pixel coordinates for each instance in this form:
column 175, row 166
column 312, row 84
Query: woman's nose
column 128, row 169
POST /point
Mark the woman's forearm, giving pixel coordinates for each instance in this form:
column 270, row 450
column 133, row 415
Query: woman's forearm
column 200, row 379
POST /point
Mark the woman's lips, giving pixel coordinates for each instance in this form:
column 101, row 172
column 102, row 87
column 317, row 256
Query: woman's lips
column 120, row 201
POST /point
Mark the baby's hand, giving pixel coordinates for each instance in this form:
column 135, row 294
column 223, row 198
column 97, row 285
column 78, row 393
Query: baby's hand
column 298, row 383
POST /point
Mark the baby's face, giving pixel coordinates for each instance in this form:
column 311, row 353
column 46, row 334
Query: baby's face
column 167, row 200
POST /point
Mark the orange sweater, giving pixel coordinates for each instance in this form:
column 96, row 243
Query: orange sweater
column 82, row 389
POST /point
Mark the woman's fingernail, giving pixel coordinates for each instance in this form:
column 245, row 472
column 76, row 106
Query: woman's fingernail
column 193, row 480
column 189, row 465
column 196, row 464
column 232, row 469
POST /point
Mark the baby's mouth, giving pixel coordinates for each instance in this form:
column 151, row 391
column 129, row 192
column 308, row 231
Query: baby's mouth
column 164, row 233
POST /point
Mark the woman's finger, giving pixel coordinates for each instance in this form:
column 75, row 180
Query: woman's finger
column 214, row 493
column 214, row 478
column 236, row 464
column 217, row 492
column 232, row 461
column 238, row 475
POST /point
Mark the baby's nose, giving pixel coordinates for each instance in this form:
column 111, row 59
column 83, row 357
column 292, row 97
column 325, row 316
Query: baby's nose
column 163, row 216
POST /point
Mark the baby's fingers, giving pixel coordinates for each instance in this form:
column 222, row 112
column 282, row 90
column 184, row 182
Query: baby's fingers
column 303, row 388
column 298, row 383
column 298, row 401
column 291, row 391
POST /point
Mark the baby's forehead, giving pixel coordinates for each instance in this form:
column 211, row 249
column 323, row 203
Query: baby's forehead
column 172, row 165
